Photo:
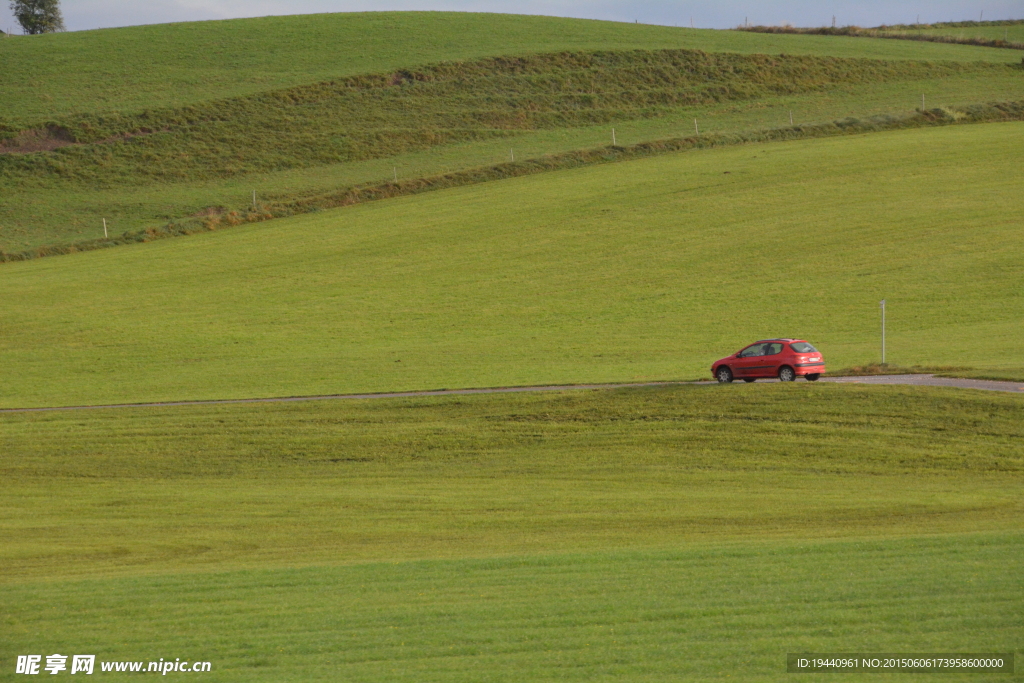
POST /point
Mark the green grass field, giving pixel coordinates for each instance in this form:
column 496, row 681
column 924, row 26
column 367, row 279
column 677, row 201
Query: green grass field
column 235, row 106
column 699, row 613
column 170, row 65
column 695, row 532
column 686, row 532
column 1013, row 33
column 642, row 270
column 286, row 150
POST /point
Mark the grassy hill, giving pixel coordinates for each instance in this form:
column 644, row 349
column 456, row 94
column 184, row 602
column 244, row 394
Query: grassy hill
column 171, row 65
column 626, row 535
column 639, row 270
column 145, row 126
column 143, row 170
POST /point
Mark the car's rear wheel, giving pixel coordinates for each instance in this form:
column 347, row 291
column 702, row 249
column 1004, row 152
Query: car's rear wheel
column 812, row 378
column 748, row 380
column 723, row 375
column 786, row 374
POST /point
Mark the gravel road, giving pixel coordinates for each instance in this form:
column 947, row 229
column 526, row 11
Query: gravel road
column 915, row 380
column 930, row 381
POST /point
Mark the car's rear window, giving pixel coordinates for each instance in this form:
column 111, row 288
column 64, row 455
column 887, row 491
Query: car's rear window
column 803, row 347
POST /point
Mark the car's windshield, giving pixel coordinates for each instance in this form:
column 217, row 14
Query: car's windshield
column 803, row 347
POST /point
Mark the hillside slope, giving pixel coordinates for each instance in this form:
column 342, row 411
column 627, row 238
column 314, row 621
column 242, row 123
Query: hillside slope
column 140, row 171
column 640, row 270
column 172, row 65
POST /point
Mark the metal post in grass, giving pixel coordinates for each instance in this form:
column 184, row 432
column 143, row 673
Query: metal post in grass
column 254, row 200
column 614, row 143
column 396, row 173
column 791, row 117
column 513, row 154
column 922, row 101
column 695, row 128
column 883, row 331
column 105, row 235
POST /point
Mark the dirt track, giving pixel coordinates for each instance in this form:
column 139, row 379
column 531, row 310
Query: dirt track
column 915, row 380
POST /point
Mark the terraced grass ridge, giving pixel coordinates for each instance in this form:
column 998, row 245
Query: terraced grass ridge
column 280, row 206
column 649, row 269
column 1006, row 34
column 617, row 535
column 304, row 120
column 138, row 68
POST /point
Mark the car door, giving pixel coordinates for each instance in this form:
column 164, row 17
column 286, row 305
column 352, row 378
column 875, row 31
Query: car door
column 771, row 360
column 747, row 360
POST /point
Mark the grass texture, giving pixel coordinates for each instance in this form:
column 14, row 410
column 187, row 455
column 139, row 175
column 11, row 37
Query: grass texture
column 1008, row 32
column 283, row 205
column 117, row 491
column 1007, row 35
column 697, row 613
column 589, row 535
column 643, row 270
column 382, row 115
column 180, row 121
column 715, row 613
column 132, row 69
column 139, row 171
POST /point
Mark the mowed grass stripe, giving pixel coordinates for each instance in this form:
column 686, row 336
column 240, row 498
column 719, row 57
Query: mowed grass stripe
column 636, row 271
column 706, row 613
column 190, row 488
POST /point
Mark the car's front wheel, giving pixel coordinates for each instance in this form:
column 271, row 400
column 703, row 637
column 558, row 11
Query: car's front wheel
column 786, row 374
column 812, row 378
column 723, row 375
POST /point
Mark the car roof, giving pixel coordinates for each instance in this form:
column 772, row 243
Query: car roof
column 759, row 341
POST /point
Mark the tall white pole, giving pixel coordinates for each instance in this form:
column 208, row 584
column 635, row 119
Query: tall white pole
column 883, row 331
column 614, row 144
column 105, row 235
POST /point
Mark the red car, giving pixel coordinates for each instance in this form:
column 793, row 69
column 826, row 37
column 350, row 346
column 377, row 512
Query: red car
column 783, row 358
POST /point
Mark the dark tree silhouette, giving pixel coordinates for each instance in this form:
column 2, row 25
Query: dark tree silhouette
column 38, row 16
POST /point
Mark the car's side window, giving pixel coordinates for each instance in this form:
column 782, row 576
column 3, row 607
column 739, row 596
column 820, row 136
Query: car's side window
column 751, row 351
column 772, row 349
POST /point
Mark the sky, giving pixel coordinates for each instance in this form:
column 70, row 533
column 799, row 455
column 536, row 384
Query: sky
column 86, row 14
